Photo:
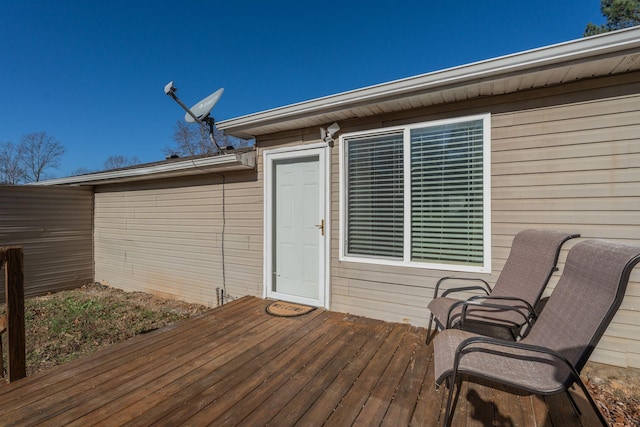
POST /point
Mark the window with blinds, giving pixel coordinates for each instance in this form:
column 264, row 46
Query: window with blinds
column 417, row 194
column 447, row 193
column 375, row 200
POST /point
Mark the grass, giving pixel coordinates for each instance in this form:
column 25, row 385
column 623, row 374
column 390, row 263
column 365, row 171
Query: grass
column 67, row 325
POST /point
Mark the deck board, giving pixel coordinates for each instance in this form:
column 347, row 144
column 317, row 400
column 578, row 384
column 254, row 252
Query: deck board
column 429, row 403
column 292, row 403
column 402, row 406
column 351, row 404
column 237, row 365
column 480, row 403
column 389, row 381
column 332, row 395
column 203, row 389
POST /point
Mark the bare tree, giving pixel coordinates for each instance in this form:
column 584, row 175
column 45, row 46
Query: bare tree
column 193, row 139
column 80, row 171
column 120, row 161
column 38, row 153
column 11, row 170
column 190, row 140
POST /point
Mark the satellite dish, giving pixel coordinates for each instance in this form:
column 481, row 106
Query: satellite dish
column 199, row 113
column 203, row 108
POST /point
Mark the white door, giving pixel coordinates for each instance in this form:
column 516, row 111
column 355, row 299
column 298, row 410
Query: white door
column 296, row 226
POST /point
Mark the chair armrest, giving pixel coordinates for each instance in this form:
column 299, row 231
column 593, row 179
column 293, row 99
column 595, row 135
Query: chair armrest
column 467, row 346
column 470, row 303
column 486, row 288
column 531, row 311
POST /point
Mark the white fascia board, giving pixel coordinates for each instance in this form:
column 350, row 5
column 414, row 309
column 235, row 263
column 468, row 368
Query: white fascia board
column 173, row 169
column 546, row 57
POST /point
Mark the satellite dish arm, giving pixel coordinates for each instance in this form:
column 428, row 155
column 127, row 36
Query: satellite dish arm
column 172, row 94
column 210, row 123
column 170, row 90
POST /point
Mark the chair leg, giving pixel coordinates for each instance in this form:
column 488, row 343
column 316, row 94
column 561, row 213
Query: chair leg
column 591, row 401
column 513, row 334
column 429, row 330
column 454, row 386
column 574, row 405
column 437, row 326
column 1, row 359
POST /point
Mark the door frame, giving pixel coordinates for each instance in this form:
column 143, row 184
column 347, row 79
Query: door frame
column 269, row 156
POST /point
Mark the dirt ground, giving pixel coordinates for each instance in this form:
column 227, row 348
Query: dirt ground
column 72, row 324
column 182, row 309
column 66, row 325
column 616, row 391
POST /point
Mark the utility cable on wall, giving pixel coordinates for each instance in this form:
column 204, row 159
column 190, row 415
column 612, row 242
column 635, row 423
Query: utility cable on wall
column 224, row 225
column 221, row 294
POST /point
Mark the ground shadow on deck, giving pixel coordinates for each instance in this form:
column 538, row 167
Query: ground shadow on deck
column 478, row 411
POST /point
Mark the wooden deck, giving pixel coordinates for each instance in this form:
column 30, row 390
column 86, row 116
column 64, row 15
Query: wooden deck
column 237, row 365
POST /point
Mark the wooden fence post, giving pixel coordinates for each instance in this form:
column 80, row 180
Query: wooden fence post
column 12, row 259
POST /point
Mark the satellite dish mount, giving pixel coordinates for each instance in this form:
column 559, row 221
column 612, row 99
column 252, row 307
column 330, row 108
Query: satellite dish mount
column 201, row 112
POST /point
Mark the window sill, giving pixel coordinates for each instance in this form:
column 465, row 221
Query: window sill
column 413, row 264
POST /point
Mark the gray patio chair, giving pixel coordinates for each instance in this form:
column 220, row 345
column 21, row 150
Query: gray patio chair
column 509, row 305
column 549, row 359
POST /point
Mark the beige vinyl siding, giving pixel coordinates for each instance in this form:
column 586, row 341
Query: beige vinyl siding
column 166, row 238
column 54, row 227
column 576, row 167
column 564, row 157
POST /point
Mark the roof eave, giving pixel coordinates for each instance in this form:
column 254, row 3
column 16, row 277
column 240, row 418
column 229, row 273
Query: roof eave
column 530, row 61
column 190, row 167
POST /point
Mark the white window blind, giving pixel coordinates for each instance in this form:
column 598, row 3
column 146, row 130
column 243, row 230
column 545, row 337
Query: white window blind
column 418, row 195
column 375, row 200
column 447, row 193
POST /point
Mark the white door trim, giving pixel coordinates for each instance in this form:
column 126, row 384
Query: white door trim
column 269, row 156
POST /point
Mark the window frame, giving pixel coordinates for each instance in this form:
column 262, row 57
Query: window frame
column 406, row 131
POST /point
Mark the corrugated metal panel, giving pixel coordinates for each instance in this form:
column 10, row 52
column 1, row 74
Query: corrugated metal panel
column 167, row 237
column 54, row 226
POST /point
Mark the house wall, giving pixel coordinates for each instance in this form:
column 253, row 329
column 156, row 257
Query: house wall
column 54, row 227
column 168, row 237
column 564, row 157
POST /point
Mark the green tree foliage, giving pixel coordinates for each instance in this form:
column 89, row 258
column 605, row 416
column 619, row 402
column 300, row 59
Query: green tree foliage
column 619, row 13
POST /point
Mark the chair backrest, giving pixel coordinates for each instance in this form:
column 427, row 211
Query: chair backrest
column 531, row 262
column 585, row 299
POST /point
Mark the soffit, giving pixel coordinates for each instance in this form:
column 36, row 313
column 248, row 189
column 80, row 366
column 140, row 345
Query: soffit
column 608, row 54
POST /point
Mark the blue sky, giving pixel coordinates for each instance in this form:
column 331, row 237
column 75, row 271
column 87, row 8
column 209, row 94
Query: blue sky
column 92, row 74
